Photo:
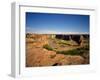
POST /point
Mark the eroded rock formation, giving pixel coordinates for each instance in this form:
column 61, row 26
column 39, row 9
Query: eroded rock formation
column 37, row 40
column 78, row 38
column 36, row 55
column 43, row 57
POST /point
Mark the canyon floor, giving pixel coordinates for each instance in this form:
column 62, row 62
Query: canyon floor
column 48, row 50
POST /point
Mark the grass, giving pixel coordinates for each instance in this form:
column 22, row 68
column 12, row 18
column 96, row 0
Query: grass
column 48, row 47
column 70, row 52
column 77, row 51
column 63, row 42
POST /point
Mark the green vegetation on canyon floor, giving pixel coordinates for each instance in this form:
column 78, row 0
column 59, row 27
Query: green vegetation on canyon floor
column 45, row 50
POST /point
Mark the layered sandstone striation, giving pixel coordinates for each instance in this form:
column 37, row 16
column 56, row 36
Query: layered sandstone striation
column 36, row 55
column 43, row 57
column 37, row 40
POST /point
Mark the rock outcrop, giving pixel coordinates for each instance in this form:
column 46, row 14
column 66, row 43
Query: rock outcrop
column 37, row 55
column 78, row 38
column 61, row 59
column 37, row 40
column 42, row 57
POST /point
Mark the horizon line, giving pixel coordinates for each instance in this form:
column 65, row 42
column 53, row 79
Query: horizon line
column 61, row 33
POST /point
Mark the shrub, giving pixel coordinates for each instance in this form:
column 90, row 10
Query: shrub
column 48, row 47
column 70, row 52
column 78, row 51
column 63, row 42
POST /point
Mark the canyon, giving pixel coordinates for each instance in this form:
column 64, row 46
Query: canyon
column 56, row 49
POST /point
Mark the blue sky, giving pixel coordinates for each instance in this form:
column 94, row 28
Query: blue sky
column 56, row 23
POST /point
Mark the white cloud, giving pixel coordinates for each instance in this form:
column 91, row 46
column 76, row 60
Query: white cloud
column 42, row 31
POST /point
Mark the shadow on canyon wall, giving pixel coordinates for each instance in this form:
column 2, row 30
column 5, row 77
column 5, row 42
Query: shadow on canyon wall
column 56, row 49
